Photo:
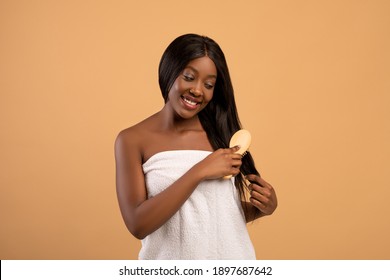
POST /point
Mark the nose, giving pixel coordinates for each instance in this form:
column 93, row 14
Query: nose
column 196, row 90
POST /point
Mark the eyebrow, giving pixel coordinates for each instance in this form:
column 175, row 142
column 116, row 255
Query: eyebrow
column 195, row 70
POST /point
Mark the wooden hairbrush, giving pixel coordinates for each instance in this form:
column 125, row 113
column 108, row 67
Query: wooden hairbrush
column 243, row 139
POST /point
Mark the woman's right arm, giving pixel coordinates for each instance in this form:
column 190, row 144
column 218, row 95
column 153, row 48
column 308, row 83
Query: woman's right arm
column 143, row 215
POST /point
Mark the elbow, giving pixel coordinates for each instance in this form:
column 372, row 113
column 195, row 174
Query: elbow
column 138, row 234
column 136, row 230
column 137, row 224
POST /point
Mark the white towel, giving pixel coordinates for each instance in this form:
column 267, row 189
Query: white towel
column 209, row 225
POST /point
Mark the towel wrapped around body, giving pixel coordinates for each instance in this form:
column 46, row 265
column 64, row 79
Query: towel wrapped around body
column 210, row 224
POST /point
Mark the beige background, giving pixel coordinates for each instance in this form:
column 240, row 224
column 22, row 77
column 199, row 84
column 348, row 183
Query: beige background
column 312, row 85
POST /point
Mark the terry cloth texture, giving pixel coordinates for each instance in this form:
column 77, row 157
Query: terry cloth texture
column 209, row 225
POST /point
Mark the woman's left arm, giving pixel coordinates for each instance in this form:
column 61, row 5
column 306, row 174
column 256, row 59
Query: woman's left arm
column 262, row 197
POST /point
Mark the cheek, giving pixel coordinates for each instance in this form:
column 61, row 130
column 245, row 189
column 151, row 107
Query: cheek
column 209, row 96
column 174, row 89
column 179, row 85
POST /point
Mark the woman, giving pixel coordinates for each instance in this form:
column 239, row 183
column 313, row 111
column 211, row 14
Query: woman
column 169, row 167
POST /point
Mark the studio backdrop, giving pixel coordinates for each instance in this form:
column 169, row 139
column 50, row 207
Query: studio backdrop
column 312, row 84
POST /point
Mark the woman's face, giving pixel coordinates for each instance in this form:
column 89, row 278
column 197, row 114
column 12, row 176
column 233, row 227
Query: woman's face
column 193, row 88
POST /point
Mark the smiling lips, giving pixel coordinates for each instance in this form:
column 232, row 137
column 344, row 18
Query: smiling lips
column 190, row 103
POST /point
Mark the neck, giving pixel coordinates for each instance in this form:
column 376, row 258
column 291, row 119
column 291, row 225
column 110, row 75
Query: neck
column 171, row 121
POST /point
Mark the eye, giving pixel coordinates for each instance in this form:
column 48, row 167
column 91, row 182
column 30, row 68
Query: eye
column 188, row 77
column 209, row 85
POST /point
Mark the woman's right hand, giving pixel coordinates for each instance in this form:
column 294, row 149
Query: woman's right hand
column 220, row 163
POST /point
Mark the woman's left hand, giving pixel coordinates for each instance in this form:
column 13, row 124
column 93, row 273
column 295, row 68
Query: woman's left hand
column 263, row 195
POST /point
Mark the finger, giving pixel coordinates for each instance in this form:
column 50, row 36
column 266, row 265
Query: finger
column 257, row 204
column 258, row 180
column 234, row 149
column 264, row 199
column 260, row 193
column 230, row 157
column 236, row 156
column 261, row 190
column 253, row 178
column 231, row 151
column 234, row 171
column 236, row 163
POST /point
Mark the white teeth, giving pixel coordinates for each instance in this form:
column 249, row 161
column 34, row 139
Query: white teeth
column 189, row 101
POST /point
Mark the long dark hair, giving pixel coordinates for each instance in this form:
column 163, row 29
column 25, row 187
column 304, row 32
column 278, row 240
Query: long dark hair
column 219, row 118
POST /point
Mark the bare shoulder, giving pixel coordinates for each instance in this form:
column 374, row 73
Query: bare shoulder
column 132, row 139
column 128, row 136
